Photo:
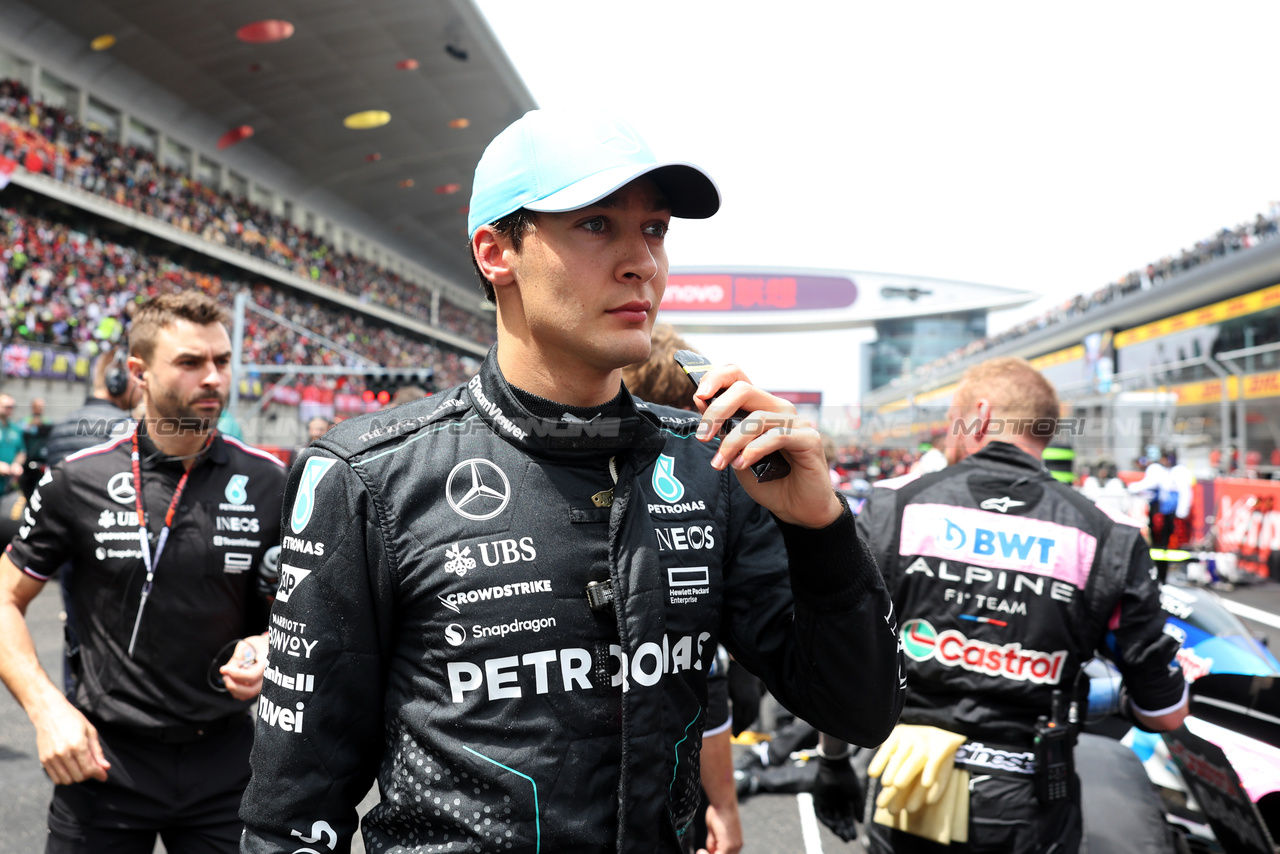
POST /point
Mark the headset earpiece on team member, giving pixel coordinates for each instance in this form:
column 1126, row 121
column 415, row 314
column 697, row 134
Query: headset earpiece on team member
column 117, row 376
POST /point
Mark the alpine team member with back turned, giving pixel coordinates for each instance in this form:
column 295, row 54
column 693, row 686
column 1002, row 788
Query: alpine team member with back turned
column 506, row 597
column 1006, row 582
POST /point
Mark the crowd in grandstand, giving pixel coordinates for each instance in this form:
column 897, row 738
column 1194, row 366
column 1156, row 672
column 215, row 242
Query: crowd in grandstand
column 49, row 140
column 1226, row 242
column 63, row 287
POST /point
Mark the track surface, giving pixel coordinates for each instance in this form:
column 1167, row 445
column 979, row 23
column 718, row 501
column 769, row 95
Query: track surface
column 771, row 823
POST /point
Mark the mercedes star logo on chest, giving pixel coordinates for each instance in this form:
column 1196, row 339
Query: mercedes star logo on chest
column 477, row 490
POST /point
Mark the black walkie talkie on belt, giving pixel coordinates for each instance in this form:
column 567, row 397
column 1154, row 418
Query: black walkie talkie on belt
column 1053, row 742
column 773, row 466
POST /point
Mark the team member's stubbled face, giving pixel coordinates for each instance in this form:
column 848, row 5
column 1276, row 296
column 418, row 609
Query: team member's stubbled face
column 591, row 280
column 189, row 376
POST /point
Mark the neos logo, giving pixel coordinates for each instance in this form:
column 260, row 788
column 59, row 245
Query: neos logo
column 120, row 488
column 983, row 542
column 455, row 634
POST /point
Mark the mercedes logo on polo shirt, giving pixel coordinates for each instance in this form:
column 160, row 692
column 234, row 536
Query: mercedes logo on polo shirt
column 477, row 490
column 120, row 488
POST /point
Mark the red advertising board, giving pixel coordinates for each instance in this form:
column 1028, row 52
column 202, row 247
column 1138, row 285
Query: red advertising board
column 759, row 291
column 1248, row 514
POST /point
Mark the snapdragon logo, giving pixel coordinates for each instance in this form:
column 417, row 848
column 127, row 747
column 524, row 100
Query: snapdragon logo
column 455, row 634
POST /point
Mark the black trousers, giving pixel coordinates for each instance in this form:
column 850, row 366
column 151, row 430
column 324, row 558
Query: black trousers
column 189, row 794
column 1004, row 818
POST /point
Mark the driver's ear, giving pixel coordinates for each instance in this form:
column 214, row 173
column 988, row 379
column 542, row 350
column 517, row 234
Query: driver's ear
column 494, row 256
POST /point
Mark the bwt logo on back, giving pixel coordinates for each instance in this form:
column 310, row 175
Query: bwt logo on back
column 985, row 542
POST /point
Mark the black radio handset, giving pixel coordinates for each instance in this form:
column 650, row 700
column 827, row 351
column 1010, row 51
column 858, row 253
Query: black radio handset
column 1053, row 739
column 771, row 467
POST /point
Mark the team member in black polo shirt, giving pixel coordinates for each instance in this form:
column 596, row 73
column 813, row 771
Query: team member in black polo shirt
column 156, row 738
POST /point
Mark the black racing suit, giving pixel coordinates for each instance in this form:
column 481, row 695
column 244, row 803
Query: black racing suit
column 433, row 627
column 1006, row 581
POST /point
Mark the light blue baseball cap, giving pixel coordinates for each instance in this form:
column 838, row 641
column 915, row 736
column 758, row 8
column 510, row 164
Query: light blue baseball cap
column 563, row 160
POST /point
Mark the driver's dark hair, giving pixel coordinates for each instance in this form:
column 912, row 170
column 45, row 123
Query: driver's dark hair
column 514, row 226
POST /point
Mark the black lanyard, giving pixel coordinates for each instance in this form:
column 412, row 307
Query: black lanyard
column 149, row 560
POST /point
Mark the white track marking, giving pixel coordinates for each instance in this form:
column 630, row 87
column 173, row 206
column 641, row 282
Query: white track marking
column 1250, row 613
column 809, row 824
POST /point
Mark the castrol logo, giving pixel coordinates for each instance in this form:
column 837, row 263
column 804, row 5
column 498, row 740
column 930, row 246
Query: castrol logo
column 921, row 642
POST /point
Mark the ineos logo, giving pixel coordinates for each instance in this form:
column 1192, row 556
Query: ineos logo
column 120, row 488
column 455, row 634
column 477, row 490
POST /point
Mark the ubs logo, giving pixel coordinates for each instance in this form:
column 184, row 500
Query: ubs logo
column 477, row 490
column 120, row 488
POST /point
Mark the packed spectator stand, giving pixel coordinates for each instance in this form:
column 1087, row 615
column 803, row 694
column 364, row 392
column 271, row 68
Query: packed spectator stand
column 1225, row 242
column 49, row 141
column 57, row 285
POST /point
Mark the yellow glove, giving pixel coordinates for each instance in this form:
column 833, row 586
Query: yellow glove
column 944, row 821
column 914, row 765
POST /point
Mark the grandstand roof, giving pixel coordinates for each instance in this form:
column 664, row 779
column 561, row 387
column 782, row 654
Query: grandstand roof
column 181, row 63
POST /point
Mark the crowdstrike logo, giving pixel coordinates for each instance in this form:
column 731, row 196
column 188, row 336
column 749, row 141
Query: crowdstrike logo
column 452, row 601
column 477, row 490
column 921, row 642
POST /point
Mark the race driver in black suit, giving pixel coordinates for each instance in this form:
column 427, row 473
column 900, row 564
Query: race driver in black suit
column 513, row 590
